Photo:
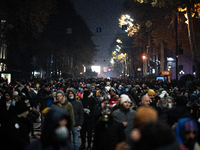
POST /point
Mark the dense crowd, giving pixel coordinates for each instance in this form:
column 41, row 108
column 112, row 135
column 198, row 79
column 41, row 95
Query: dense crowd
column 108, row 114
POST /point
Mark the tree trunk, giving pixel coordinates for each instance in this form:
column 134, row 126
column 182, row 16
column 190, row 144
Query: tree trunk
column 192, row 42
column 162, row 56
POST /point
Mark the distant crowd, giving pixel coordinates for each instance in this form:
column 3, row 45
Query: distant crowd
column 107, row 114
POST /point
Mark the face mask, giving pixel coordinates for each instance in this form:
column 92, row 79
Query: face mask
column 169, row 105
column 71, row 97
column 127, row 89
column 13, row 103
column 62, row 133
column 86, row 94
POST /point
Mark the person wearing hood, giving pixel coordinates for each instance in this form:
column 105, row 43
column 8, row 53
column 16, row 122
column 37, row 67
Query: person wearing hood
column 186, row 134
column 89, row 103
column 125, row 115
column 78, row 114
column 61, row 101
column 108, row 132
column 55, row 132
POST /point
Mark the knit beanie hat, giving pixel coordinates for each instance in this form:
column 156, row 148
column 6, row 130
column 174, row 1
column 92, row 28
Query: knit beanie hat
column 124, row 98
column 60, row 91
column 151, row 92
column 145, row 114
column 169, row 97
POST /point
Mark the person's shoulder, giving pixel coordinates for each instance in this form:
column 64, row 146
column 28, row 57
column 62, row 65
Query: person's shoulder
column 132, row 111
column 116, row 111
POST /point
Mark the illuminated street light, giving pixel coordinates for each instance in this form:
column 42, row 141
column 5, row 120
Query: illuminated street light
column 144, row 57
column 118, row 41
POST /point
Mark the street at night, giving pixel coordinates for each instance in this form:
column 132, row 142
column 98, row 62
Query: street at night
column 99, row 75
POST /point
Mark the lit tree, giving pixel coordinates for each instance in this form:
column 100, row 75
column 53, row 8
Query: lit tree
column 190, row 7
column 128, row 21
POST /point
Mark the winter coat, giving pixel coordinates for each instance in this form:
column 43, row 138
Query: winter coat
column 48, row 137
column 108, row 137
column 43, row 96
column 67, row 107
column 18, row 130
column 78, row 109
column 177, row 112
column 88, row 103
column 125, row 115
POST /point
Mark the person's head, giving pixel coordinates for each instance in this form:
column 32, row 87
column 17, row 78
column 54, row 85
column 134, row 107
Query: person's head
column 145, row 101
column 151, row 93
column 47, row 87
column 125, row 101
column 72, row 94
column 193, row 98
column 112, row 91
column 86, row 92
column 156, row 135
column 181, row 100
column 145, row 114
column 55, row 127
column 59, row 95
column 186, row 132
column 21, row 109
column 106, row 113
column 163, row 103
column 170, row 101
column 8, row 95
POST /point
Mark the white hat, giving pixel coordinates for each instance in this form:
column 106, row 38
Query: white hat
column 124, row 98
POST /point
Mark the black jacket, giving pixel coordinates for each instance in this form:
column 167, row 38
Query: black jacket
column 78, row 109
column 88, row 103
column 176, row 113
column 18, row 130
column 108, row 138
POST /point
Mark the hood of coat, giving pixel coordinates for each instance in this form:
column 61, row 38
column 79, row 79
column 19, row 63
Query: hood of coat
column 54, row 115
column 73, row 91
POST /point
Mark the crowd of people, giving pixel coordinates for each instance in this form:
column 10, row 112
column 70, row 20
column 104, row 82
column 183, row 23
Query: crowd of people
column 108, row 114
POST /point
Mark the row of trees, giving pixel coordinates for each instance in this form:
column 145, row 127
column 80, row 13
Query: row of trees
column 45, row 35
column 162, row 14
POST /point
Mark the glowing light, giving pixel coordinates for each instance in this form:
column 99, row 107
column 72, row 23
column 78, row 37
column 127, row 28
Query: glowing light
column 143, row 57
column 96, row 69
column 181, row 72
column 118, row 41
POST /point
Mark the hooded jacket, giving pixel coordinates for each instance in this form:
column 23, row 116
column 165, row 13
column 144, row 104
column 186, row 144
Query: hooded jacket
column 78, row 109
column 48, row 138
column 67, row 107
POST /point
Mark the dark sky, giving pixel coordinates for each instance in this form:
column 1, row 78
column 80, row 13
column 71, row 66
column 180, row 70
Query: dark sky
column 103, row 14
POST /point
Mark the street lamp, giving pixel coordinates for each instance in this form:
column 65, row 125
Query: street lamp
column 118, row 41
column 144, row 57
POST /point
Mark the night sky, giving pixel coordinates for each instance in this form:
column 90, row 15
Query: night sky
column 103, row 14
